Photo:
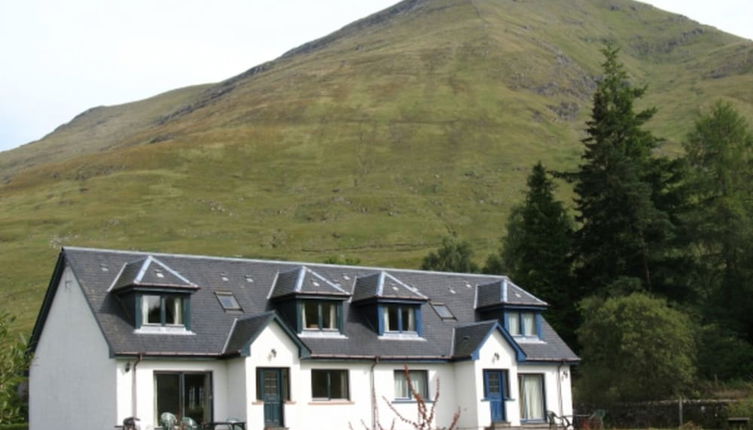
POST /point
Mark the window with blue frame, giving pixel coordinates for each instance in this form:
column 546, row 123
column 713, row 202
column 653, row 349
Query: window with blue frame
column 521, row 323
column 400, row 318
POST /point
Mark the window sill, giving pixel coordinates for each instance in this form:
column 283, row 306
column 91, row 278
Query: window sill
column 157, row 329
column 400, row 336
column 331, row 402
column 327, row 334
column 408, row 401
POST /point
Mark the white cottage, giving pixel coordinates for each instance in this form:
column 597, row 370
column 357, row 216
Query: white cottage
column 278, row 344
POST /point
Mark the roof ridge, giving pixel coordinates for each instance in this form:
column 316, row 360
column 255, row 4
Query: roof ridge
column 294, row 263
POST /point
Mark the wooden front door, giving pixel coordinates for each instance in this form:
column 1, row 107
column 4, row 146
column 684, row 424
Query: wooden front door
column 272, row 396
column 495, row 392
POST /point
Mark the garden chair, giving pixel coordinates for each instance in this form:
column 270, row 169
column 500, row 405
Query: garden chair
column 595, row 421
column 556, row 421
column 188, row 423
column 168, row 421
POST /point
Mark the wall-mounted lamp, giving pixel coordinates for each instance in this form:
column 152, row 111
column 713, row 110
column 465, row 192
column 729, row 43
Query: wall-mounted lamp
column 272, row 354
column 128, row 367
column 495, row 357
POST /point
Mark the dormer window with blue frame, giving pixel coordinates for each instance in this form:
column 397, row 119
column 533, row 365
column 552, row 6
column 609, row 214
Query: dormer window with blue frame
column 522, row 323
column 164, row 310
column 399, row 318
column 391, row 305
column 310, row 302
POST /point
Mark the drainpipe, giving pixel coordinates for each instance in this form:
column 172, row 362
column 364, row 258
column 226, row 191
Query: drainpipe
column 134, row 391
column 559, row 387
column 374, row 411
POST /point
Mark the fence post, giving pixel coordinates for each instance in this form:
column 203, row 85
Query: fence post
column 679, row 410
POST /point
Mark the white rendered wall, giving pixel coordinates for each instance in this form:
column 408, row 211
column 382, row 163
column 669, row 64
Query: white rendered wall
column 554, row 384
column 72, row 377
column 224, row 405
column 496, row 353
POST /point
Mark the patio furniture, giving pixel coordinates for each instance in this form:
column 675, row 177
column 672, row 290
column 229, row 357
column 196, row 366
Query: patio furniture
column 556, row 421
column 188, row 423
column 228, row 424
column 168, row 420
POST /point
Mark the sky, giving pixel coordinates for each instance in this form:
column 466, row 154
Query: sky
column 60, row 58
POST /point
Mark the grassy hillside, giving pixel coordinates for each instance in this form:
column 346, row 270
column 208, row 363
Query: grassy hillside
column 372, row 142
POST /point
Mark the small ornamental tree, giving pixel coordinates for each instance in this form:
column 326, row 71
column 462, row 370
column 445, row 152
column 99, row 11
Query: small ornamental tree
column 634, row 348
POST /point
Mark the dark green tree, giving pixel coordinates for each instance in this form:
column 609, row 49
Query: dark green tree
column 536, row 251
column 634, row 348
column 623, row 192
column 453, row 256
column 719, row 161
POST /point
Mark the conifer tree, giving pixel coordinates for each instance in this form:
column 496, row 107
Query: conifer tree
column 620, row 189
column 719, row 157
column 453, row 256
column 536, row 251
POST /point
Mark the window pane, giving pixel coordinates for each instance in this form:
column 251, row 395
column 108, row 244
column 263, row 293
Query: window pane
column 173, row 310
column 409, row 318
column 420, row 383
column 443, row 311
column 311, row 313
column 168, row 394
column 401, row 385
column 392, row 323
column 338, row 383
column 196, row 397
column 529, row 325
column 228, row 301
column 329, row 315
column 319, row 382
column 532, row 397
column 419, row 380
column 513, row 323
column 151, row 310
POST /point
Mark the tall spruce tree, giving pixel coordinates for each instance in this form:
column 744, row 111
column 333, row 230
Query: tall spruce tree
column 620, row 190
column 719, row 160
column 536, row 251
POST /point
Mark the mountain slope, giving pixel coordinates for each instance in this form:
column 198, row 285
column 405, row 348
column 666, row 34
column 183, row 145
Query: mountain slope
column 372, row 142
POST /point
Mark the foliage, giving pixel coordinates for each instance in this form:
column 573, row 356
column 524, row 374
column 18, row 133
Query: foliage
column 634, row 347
column 539, row 230
column 342, row 260
column 624, row 231
column 741, row 408
column 723, row 355
column 19, row 426
column 453, row 256
column 13, row 362
column 719, row 162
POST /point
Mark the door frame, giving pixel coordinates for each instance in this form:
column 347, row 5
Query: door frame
column 281, row 392
column 497, row 400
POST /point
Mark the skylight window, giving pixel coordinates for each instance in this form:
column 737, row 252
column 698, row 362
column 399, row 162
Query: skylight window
column 443, row 311
column 224, row 277
column 228, row 301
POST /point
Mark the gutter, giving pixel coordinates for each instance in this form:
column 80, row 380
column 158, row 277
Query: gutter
column 374, row 409
column 134, row 391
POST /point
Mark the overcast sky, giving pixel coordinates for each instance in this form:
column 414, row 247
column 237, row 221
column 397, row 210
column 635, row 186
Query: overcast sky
column 60, row 58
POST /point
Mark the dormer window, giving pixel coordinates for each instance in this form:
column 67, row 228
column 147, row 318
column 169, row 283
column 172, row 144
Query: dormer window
column 521, row 323
column 320, row 315
column 162, row 310
column 399, row 317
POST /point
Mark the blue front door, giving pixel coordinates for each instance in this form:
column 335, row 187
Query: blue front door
column 495, row 391
column 271, row 389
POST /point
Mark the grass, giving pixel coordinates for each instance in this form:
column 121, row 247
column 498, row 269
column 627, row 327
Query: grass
column 374, row 147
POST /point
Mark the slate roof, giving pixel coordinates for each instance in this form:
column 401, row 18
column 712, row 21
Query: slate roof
column 505, row 292
column 148, row 271
column 382, row 285
column 304, row 281
column 218, row 333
